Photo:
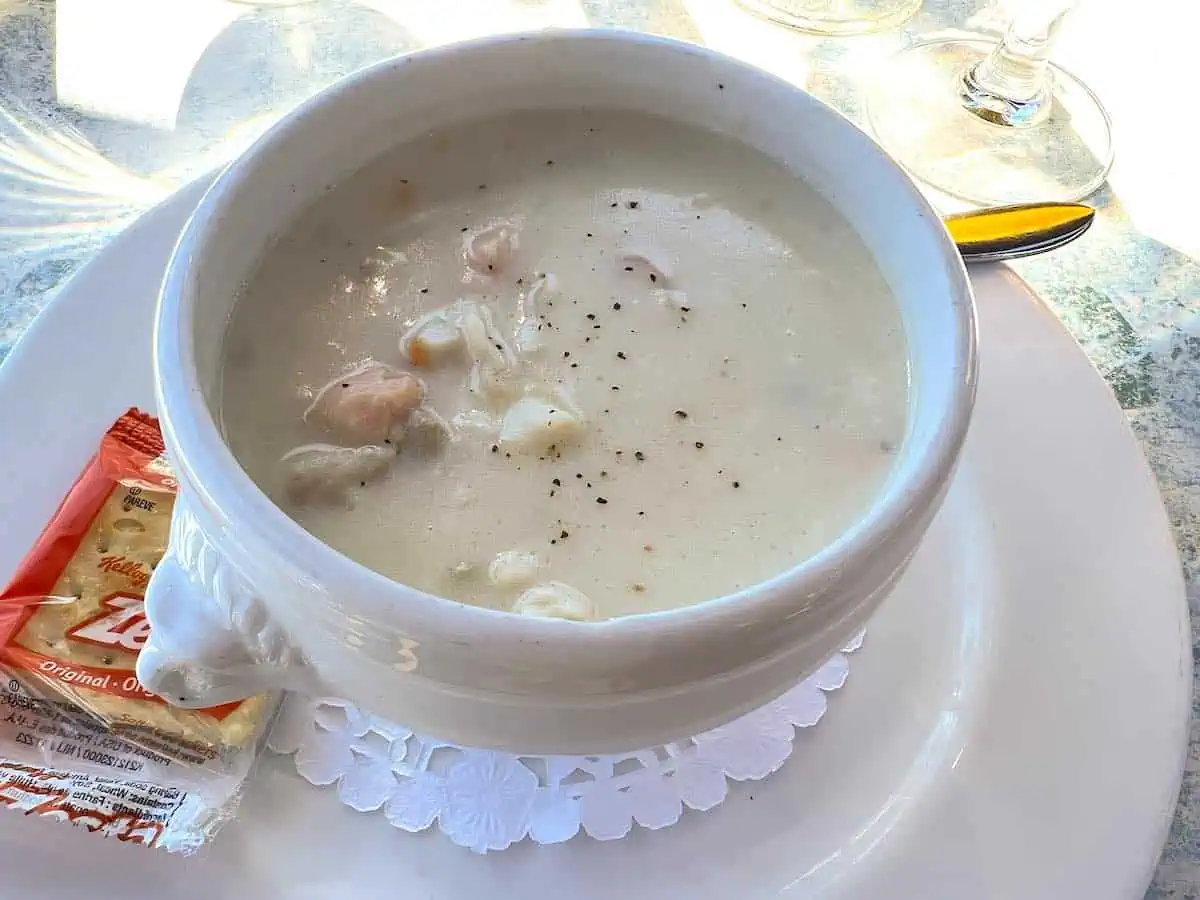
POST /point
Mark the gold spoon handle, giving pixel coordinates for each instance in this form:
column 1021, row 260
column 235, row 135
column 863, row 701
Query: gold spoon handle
column 1010, row 232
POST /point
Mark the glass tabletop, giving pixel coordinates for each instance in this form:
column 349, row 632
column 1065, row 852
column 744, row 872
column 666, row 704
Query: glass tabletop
column 107, row 106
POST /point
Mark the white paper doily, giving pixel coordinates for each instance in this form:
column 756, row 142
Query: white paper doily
column 484, row 800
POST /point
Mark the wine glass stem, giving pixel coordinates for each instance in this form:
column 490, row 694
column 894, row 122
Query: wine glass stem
column 1011, row 85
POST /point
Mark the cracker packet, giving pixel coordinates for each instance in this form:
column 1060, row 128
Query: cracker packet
column 80, row 738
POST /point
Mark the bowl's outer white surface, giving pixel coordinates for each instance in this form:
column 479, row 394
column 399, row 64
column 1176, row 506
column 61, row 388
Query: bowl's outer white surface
column 488, row 678
column 1015, row 726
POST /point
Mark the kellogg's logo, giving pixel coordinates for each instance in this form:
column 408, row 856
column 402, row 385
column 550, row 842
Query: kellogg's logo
column 137, row 574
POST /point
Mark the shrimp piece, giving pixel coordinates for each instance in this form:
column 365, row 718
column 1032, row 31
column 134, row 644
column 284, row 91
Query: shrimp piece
column 325, row 473
column 368, row 404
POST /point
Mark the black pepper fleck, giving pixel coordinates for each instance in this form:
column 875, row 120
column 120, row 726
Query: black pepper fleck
column 720, row 87
column 483, row 187
column 632, row 204
column 564, row 534
column 621, row 355
column 617, row 307
column 680, row 414
column 639, row 456
column 629, row 268
column 424, row 290
column 601, row 500
column 345, row 385
column 653, row 277
column 549, row 162
column 616, row 387
column 699, row 445
column 737, row 484
column 557, row 482
column 591, row 317
column 495, row 448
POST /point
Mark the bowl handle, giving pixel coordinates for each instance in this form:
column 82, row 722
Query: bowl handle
column 212, row 639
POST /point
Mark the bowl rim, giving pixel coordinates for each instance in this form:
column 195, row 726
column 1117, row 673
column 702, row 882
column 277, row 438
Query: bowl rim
column 208, row 467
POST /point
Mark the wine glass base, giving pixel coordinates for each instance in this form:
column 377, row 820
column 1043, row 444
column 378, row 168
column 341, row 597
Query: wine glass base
column 835, row 17
column 917, row 113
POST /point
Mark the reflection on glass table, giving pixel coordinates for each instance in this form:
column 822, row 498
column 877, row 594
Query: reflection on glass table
column 992, row 123
column 836, row 17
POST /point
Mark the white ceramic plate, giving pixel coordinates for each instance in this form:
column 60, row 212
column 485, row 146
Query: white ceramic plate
column 1014, row 727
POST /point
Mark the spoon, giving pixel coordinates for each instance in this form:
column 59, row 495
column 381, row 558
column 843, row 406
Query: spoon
column 1010, row 232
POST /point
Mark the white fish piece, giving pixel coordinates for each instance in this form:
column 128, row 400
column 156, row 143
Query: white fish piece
column 476, row 421
column 528, row 338
column 527, row 341
column 676, row 300
column 485, row 343
column 367, row 404
column 653, row 260
column 555, row 600
column 493, row 360
column 560, row 394
column 533, row 424
column 326, row 473
column 425, row 432
column 490, row 250
column 514, row 569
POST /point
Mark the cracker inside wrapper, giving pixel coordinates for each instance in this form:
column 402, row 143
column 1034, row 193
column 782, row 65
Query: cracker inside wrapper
column 72, row 620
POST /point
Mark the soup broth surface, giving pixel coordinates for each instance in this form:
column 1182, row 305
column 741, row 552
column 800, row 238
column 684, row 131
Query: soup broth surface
column 699, row 376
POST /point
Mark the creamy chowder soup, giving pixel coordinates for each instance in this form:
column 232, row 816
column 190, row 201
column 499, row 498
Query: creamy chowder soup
column 582, row 364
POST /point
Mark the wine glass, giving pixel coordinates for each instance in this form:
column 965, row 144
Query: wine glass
column 835, row 17
column 994, row 124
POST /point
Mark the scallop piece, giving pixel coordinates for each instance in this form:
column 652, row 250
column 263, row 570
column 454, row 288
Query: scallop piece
column 434, row 338
column 514, row 569
column 490, row 250
column 367, row 404
column 325, row 473
column 532, row 424
column 555, row 600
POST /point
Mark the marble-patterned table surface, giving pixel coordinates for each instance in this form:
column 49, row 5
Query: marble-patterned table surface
column 106, row 106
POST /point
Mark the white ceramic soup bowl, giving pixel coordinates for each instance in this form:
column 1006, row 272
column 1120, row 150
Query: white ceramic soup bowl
column 246, row 600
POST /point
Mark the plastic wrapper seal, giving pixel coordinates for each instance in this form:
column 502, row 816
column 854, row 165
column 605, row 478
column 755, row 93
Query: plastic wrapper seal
column 74, row 720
